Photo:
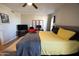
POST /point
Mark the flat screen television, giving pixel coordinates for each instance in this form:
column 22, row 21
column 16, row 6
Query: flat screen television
column 22, row 27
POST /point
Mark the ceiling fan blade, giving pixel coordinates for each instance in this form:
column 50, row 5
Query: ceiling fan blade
column 34, row 6
column 24, row 4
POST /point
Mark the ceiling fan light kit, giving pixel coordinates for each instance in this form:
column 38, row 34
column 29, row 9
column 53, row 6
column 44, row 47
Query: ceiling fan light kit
column 29, row 4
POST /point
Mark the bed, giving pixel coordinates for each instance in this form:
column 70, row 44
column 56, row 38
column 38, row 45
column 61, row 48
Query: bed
column 45, row 43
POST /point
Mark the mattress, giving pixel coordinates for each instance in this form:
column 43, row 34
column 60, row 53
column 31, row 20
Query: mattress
column 51, row 44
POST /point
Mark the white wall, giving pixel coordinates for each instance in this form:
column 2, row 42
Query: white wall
column 9, row 29
column 27, row 19
column 68, row 15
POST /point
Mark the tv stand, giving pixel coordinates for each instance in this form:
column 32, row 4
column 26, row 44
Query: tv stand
column 21, row 33
column 21, row 30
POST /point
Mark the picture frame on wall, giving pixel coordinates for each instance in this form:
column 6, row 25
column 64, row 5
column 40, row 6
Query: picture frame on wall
column 4, row 18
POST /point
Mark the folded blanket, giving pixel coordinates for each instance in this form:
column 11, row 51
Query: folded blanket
column 29, row 46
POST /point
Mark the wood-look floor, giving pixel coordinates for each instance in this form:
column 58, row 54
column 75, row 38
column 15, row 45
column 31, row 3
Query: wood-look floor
column 2, row 47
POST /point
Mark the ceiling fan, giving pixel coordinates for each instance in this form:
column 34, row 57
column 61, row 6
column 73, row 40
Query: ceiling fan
column 33, row 4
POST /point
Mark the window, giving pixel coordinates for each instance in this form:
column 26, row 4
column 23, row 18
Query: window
column 37, row 22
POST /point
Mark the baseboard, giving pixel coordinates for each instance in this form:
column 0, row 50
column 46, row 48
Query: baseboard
column 9, row 41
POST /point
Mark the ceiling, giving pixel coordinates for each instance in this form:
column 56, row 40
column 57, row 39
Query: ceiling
column 44, row 8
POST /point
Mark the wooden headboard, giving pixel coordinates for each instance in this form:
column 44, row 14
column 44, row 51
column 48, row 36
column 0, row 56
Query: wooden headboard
column 72, row 28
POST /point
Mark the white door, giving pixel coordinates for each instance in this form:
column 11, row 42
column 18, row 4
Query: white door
column 51, row 26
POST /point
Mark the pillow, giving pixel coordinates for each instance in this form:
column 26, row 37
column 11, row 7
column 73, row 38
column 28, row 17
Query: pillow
column 32, row 30
column 65, row 34
column 55, row 29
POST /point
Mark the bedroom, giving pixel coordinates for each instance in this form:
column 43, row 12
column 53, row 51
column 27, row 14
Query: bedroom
column 66, row 15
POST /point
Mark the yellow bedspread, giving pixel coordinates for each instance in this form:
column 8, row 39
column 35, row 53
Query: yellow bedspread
column 51, row 44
